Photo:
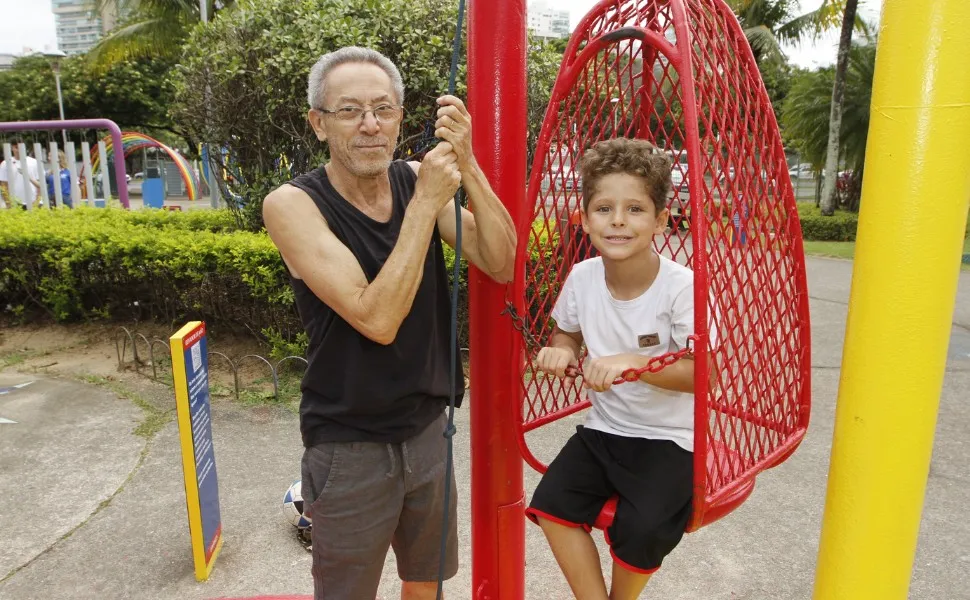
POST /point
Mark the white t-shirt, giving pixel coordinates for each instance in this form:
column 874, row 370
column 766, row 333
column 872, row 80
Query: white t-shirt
column 661, row 319
column 16, row 187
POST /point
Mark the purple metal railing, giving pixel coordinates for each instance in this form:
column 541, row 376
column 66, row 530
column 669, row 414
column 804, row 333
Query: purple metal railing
column 119, row 155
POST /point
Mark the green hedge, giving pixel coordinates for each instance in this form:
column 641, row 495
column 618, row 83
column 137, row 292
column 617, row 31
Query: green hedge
column 144, row 265
column 841, row 227
column 172, row 267
column 194, row 220
column 150, row 266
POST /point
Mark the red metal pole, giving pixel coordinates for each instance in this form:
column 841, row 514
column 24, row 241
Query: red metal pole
column 497, row 102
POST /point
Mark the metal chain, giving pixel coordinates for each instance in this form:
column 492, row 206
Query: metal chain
column 519, row 324
column 654, row 365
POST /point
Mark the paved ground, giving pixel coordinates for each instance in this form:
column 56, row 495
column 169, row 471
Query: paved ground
column 181, row 202
column 88, row 509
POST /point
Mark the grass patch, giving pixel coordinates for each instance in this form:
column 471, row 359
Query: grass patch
column 830, row 249
column 218, row 390
column 154, row 418
column 260, row 391
column 966, row 249
column 163, row 368
column 14, row 358
column 18, row 357
column 847, row 250
column 152, row 424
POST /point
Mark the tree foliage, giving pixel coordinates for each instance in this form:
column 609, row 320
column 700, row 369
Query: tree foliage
column 769, row 23
column 806, row 111
column 835, row 119
column 242, row 81
column 133, row 93
column 149, row 28
column 777, row 77
column 543, row 67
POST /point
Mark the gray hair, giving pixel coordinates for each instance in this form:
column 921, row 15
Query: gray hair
column 316, row 91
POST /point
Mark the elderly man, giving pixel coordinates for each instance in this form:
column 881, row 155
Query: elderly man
column 362, row 239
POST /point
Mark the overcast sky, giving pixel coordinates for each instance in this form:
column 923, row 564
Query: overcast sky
column 30, row 24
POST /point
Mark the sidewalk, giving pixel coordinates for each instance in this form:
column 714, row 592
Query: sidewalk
column 73, row 448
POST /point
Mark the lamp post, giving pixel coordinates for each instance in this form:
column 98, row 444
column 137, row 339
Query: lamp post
column 55, row 57
column 214, row 193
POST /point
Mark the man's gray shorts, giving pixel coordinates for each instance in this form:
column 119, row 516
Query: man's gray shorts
column 365, row 497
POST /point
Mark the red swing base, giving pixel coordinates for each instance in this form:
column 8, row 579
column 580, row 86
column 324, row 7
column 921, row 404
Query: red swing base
column 715, row 511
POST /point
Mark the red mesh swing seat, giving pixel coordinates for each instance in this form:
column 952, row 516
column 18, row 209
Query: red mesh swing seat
column 680, row 74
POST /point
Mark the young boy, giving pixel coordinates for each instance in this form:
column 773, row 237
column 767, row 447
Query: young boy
column 627, row 305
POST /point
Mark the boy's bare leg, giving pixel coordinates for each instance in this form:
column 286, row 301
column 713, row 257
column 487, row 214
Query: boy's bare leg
column 576, row 554
column 419, row 590
column 627, row 585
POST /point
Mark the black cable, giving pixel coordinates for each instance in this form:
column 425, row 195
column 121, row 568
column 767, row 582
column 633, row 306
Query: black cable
column 450, row 430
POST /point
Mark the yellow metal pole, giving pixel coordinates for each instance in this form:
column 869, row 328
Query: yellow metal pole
column 914, row 208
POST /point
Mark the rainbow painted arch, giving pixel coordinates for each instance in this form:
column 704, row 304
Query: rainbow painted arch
column 133, row 141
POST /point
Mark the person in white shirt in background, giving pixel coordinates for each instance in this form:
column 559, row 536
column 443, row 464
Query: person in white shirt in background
column 12, row 184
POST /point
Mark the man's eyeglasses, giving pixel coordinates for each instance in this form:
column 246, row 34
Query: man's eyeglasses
column 385, row 113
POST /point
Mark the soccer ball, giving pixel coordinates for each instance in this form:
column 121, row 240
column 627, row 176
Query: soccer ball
column 293, row 507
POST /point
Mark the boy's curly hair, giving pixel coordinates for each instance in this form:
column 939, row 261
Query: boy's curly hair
column 634, row 157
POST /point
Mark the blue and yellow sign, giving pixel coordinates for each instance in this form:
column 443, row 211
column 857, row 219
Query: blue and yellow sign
column 190, row 367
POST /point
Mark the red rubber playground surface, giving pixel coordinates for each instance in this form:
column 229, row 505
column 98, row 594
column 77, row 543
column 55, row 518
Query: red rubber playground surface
column 268, row 598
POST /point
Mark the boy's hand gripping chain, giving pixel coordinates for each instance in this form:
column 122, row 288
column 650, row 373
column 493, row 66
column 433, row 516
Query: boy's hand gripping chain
column 655, row 365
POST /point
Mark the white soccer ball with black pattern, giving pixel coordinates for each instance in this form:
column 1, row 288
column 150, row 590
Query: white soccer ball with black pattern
column 293, row 506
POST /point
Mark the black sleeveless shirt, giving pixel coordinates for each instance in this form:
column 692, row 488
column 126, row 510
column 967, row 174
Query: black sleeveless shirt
column 355, row 389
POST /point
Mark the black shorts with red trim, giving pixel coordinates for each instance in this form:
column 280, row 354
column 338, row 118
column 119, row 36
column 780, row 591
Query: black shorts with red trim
column 652, row 478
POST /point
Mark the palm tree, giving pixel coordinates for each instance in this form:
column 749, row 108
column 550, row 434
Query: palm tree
column 769, row 23
column 806, row 112
column 148, row 28
column 835, row 118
